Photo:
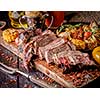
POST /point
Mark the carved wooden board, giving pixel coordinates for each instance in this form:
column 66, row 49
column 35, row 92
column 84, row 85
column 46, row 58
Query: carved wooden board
column 51, row 71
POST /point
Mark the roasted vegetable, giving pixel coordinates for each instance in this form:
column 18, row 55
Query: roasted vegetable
column 84, row 36
column 10, row 34
column 78, row 43
column 96, row 54
column 91, row 43
column 87, row 35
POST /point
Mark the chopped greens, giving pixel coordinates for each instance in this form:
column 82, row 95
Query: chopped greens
column 68, row 26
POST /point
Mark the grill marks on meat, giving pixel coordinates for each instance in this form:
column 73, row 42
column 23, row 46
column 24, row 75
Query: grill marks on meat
column 75, row 58
column 43, row 41
column 55, row 50
column 53, row 44
column 31, row 48
column 72, row 47
column 73, row 61
column 51, row 53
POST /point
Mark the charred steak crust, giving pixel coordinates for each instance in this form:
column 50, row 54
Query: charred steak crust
column 43, row 41
column 49, row 46
column 31, row 47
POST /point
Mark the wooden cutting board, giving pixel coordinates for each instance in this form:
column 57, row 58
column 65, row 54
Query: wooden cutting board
column 51, row 71
column 43, row 82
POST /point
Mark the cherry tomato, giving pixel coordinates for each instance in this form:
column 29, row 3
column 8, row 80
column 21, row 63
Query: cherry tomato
column 87, row 35
column 96, row 54
column 58, row 18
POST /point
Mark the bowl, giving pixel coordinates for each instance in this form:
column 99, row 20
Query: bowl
column 2, row 24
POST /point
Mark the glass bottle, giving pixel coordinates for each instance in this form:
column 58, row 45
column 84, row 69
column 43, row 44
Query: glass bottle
column 14, row 17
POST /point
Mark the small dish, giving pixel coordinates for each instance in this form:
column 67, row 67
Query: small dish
column 2, row 24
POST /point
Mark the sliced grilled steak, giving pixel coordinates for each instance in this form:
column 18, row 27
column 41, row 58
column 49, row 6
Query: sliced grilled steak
column 73, row 61
column 31, row 47
column 51, row 53
column 43, row 41
column 34, row 41
column 55, row 50
column 74, row 58
column 57, row 42
column 71, row 46
column 28, row 51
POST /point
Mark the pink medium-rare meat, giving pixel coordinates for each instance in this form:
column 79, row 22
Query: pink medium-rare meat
column 50, row 54
column 74, row 58
column 53, row 49
column 63, row 54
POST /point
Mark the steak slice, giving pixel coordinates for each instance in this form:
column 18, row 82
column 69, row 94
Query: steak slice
column 43, row 40
column 57, row 42
column 73, row 47
column 50, row 54
column 28, row 51
column 47, row 32
column 74, row 58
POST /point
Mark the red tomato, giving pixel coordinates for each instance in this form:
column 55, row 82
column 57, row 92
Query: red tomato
column 87, row 35
column 58, row 18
